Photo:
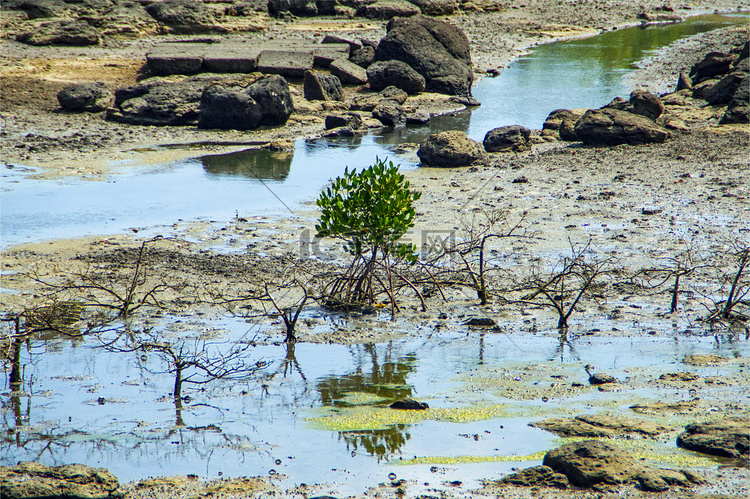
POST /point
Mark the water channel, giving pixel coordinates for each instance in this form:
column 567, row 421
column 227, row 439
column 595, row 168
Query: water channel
column 317, row 413
column 576, row 73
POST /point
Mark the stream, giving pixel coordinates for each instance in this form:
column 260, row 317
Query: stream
column 317, row 413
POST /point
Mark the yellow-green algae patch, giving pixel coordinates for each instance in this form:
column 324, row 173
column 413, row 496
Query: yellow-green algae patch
column 379, row 418
column 537, row 456
column 361, row 398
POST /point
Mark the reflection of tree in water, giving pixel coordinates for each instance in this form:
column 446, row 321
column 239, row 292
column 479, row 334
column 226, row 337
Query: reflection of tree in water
column 386, row 379
column 380, row 443
column 259, row 164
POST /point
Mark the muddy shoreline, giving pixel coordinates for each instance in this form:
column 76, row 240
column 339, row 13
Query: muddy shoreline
column 699, row 181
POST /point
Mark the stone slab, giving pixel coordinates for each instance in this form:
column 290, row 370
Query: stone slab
column 283, row 57
column 286, row 62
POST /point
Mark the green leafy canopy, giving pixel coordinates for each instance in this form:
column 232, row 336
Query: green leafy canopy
column 370, row 210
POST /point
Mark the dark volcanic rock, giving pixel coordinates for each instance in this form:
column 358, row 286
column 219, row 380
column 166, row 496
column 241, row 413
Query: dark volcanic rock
column 92, row 97
column 507, row 138
column 275, row 101
column 277, row 8
column 383, row 74
column 451, row 148
column 184, row 17
column 437, row 50
column 723, row 92
column 727, row 438
column 157, row 101
column 601, row 379
column 363, row 57
column 738, row 110
column 409, row 405
column 612, row 127
column 70, row 481
column 367, row 102
column 646, row 104
column 76, row 33
column 712, row 65
column 265, row 102
column 390, row 113
column 228, row 107
column 322, row 86
column 351, row 120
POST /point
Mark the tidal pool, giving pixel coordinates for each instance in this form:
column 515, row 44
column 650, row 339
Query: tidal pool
column 318, row 413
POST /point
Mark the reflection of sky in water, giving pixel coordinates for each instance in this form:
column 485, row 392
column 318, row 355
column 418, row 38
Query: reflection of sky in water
column 132, row 432
column 578, row 73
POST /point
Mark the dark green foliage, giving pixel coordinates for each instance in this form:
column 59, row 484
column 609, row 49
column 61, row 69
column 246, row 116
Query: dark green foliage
column 370, row 210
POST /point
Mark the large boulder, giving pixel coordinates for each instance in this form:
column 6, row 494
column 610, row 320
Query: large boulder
column 77, row 33
column 738, row 110
column 726, row 438
column 712, row 65
column 184, row 17
column 451, row 148
column 507, row 138
column 612, row 126
column 274, row 98
column 592, row 462
column 383, row 74
column 390, row 113
column 159, row 101
column 387, row 9
column 322, row 86
column 92, row 97
column 646, row 104
column 439, row 51
column 228, row 107
column 71, row 481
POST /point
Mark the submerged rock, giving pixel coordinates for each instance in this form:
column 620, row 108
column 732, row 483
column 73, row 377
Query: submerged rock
column 70, row 481
column 409, row 405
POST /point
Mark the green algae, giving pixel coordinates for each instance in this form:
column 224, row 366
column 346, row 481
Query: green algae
column 359, row 418
column 448, row 460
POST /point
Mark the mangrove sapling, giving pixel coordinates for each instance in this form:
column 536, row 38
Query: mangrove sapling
column 675, row 268
column 195, row 362
column 59, row 317
column 733, row 269
column 570, row 279
column 370, row 211
column 472, row 250
column 107, row 291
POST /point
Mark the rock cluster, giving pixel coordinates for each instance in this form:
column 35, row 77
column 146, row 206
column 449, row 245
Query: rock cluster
column 601, row 466
column 73, row 481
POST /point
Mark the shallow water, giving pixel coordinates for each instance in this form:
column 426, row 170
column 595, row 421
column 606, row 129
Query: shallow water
column 576, row 73
column 309, row 414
